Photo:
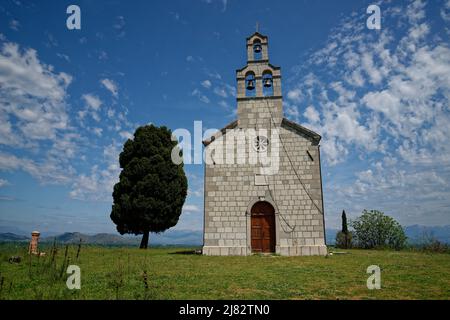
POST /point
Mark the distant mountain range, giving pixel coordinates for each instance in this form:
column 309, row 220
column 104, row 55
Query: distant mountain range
column 8, row 236
column 170, row 237
column 415, row 233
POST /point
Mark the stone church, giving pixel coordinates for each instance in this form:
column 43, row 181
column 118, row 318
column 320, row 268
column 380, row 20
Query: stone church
column 248, row 209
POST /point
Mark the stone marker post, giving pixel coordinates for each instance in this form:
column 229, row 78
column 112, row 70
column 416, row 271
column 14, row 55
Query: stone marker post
column 33, row 249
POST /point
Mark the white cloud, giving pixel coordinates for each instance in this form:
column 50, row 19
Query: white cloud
column 111, row 86
column 191, row 208
column 33, row 94
column 97, row 131
column 371, row 70
column 381, row 105
column 312, row 115
column 65, row 147
column 445, row 11
column 102, row 55
column 295, row 95
column 200, row 96
column 14, row 25
column 3, row 183
column 206, row 84
column 35, row 120
column 401, row 81
column 110, row 113
column 196, row 193
column 126, row 135
column 223, row 2
column 99, row 183
column 221, row 92
column 120, row 26
column 231, row 90
column 48, row 171
column 92, row 101
column 291, row 111
column 213, row 74
column 224, row 104
column 63, row 56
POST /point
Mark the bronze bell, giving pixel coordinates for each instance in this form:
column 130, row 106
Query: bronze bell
column 267, row 82
column 257, row 48
column 250, row 84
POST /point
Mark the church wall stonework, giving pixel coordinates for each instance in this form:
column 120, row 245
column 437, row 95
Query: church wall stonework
column 295, row 190
column 230, row 190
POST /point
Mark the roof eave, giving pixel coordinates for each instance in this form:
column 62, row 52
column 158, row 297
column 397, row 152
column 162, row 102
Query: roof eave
column 313, row 135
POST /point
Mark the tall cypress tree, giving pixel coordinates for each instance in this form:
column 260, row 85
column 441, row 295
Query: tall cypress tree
column 344, row 237
column 152, row 189
column 344, row 223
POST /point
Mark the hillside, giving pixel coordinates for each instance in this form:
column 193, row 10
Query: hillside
column 170, row 237
column 8, row 236
column 416, row 234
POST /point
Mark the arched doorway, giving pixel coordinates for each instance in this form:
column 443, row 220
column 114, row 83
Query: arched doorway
column 263, row 227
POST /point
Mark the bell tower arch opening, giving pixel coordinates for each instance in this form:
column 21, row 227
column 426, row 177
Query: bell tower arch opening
column 257, row 49
column 267, row 80
column 250, row 84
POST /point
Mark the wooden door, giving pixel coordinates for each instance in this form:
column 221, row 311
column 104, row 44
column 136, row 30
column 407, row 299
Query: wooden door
column 263, row 227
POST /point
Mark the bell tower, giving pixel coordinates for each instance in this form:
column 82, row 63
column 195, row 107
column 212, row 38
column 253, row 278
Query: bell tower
column 268, row 198
column 259, row 96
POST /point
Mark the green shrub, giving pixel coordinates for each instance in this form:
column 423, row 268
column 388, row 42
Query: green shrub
column 344, row 240
column 436, row 246
column 430, row 244
column 373, row 229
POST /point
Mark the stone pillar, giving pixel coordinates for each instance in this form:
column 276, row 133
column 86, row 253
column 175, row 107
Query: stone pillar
column 276, row 83
column 259, row 86
column 265, row 51
column 241, row 87
column 250, row 52
column 33, row 249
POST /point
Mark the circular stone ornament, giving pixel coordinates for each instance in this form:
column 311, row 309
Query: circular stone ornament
column 260, row 143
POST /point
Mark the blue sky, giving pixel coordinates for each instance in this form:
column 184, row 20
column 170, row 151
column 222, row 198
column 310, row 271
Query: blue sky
column 70, row 98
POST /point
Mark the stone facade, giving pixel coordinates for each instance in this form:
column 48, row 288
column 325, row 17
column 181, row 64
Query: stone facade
column 293, row 189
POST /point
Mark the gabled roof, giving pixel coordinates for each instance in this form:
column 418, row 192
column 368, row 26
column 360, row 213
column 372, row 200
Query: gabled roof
column 303, row 130
column 259, row 61
column 222, row 131
column 257, row 34
column 315, row 137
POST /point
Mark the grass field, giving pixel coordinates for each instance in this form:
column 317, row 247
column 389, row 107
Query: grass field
column 118, row 273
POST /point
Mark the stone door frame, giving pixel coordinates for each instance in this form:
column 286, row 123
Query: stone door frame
column 248, row 213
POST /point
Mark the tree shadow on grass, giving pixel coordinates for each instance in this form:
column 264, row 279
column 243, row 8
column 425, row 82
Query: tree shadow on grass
column 188, row 252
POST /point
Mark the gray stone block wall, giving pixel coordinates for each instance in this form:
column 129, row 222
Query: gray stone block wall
column 232, row 189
